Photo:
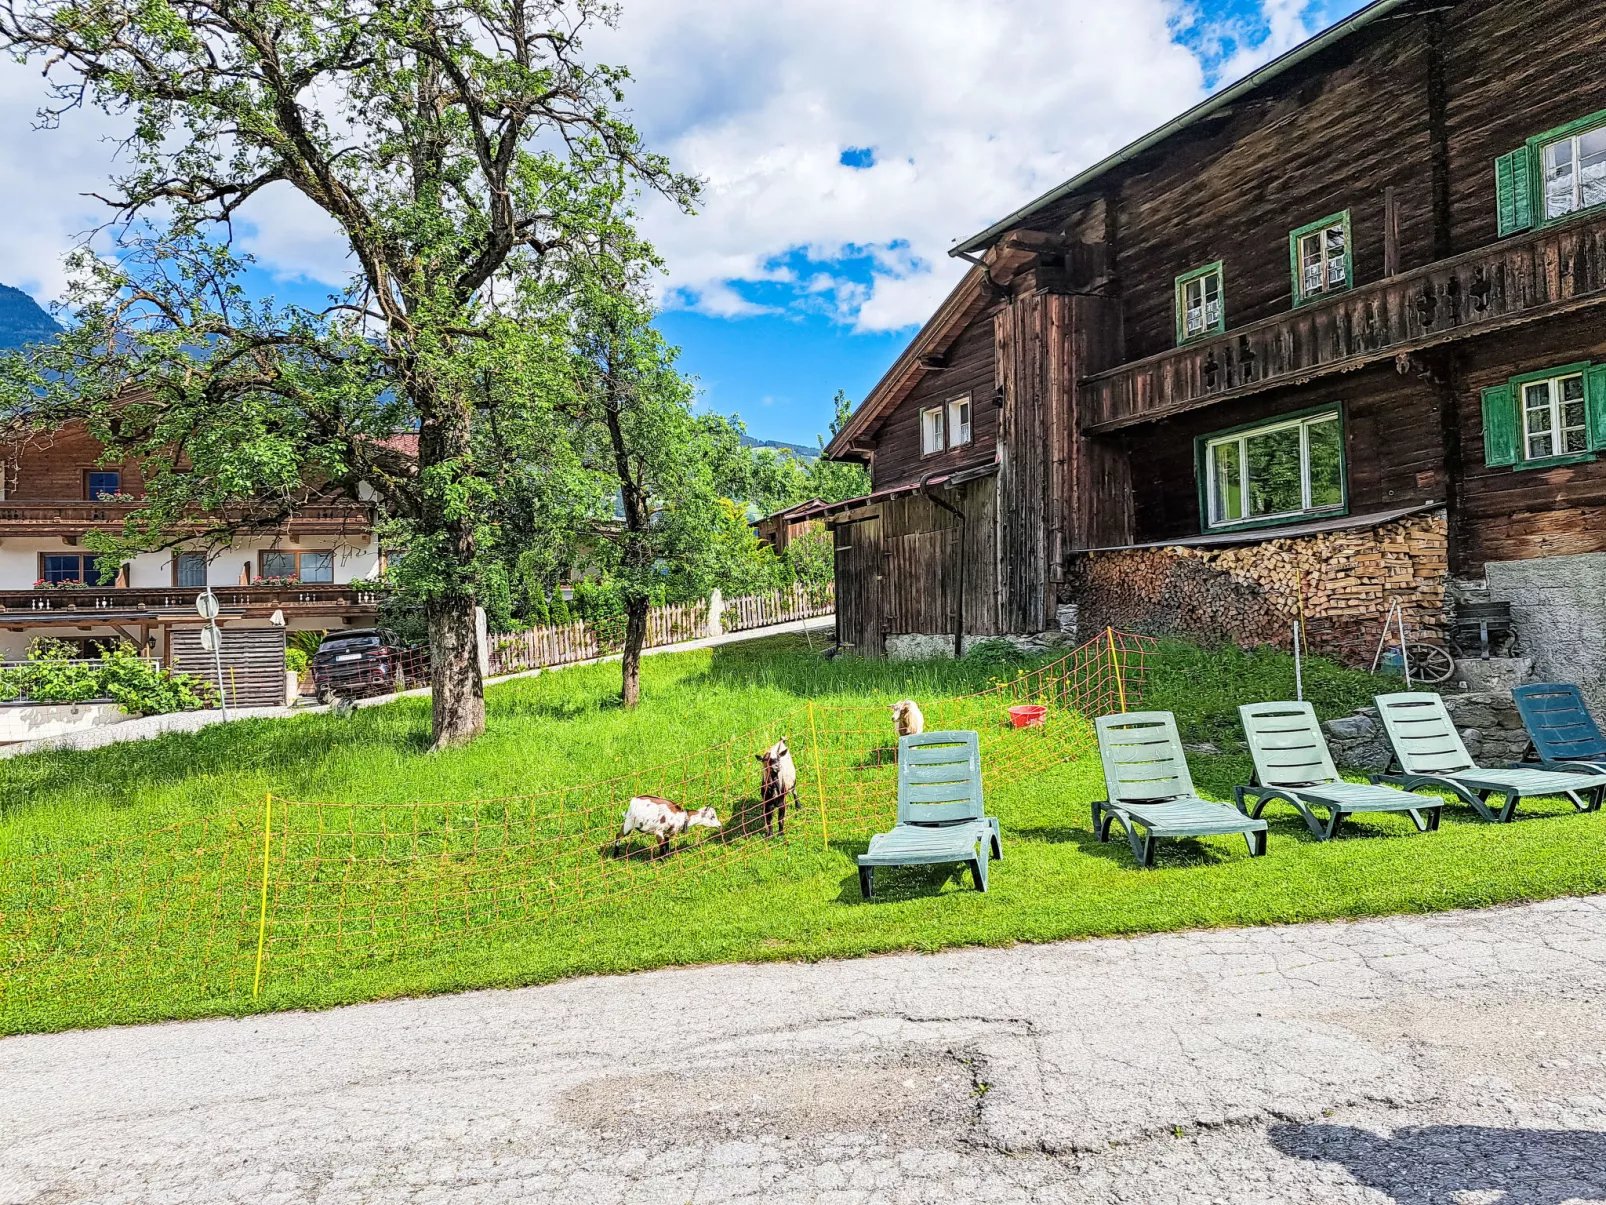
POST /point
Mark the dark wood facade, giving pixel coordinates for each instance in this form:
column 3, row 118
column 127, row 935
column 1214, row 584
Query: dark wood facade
column 1069, row 325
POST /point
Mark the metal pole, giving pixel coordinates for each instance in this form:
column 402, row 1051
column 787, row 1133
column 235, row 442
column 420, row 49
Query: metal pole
column 1405, row 656
column 1299, row 673
column 217, row 663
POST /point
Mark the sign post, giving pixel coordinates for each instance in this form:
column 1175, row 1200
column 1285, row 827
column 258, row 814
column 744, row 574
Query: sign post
column 206, row 606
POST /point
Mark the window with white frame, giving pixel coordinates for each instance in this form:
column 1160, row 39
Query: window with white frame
column 931, row 431
column 1280, row 470
column 189, row 569
column 959, row 421
column 1555, row 418
column 1321, row 254
column 1200, row 307
column 1574, row 172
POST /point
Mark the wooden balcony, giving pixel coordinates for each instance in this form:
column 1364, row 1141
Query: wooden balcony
column 96, row 604
column 69, row 518
column 1517, row 281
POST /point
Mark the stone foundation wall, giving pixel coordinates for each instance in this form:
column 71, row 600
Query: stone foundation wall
column 1490, row 726
column 1249, row 594
column 1559, row 605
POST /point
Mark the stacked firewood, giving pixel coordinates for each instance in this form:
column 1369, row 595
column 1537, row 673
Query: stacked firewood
column 1342, row 582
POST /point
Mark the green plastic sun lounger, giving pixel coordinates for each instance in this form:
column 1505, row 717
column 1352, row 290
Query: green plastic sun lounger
column 1146, row 775
column 941, row 818
column 1294, row 765
column 1429, row 753
column 1562, row 733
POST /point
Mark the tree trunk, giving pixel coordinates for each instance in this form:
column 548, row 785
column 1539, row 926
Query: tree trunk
column 635, row 641
column 459, row 691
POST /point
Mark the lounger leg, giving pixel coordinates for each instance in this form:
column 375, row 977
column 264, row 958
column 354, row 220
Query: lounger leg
column 1334, row 819
column 998, row 839
column 1257, row 843
column 1239, row 794
column 1145, row 855
column 867, row 882
column 1101, row 829
column 978, row 873
column 1508, row 812
column 1434, row 816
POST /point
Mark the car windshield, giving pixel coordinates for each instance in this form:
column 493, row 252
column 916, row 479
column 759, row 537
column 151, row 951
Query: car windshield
column 347, row 641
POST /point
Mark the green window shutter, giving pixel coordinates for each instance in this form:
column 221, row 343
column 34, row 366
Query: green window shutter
column 1596, row 392
column 1499, row 426
column 1514, row 191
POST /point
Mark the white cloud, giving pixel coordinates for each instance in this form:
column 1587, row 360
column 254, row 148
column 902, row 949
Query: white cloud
column 972, row 107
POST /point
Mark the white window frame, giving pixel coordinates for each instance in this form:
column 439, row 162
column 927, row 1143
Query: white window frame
column 1557, row 431
column 1573, row 142
column 1214, row 521
column 1328, row 257
column 931, row 431
column 959, row 421
column 1209, row 326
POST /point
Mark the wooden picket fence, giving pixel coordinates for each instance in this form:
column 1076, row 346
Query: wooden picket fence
column 780, row 606
column 568, row 643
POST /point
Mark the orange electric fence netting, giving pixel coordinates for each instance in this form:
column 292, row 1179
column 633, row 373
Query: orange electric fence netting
column 207, row 914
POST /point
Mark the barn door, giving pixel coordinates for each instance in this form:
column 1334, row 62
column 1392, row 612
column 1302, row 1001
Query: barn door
column 917, row 591
column 858, row 587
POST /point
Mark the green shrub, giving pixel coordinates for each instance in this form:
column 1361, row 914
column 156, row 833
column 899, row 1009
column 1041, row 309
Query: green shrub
column 296, row 661
column 1000, row 653
column 55, row 674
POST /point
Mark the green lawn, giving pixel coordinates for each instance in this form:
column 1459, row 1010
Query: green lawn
column 732, row 898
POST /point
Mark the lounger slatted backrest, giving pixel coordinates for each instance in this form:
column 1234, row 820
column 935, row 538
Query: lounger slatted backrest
column 1287, row 744
column 1143, row 758
column 939, row 778
column 1559, row 723
column 1423, row 735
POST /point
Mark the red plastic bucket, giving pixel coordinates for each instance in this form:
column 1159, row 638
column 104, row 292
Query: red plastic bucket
column 1028, row 715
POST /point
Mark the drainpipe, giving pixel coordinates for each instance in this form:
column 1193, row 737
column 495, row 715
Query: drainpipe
column 959, row 601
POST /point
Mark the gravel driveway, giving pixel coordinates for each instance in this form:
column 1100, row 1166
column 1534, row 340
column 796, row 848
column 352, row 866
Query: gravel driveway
column 1458, row 1058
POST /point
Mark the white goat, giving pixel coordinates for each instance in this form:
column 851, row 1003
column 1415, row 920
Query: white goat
column 778, row 780
column 658, row 817
column 907, row 718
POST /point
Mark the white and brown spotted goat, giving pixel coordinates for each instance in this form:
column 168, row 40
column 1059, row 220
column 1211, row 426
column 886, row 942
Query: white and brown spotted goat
column 778, row 780
column 659, row 817
column 907, row 719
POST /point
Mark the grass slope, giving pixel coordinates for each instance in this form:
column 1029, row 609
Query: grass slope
column 801, row 902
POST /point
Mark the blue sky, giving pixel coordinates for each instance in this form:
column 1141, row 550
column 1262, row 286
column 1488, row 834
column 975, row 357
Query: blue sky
column 844, row 146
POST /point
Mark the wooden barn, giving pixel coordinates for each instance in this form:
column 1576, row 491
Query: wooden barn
column 1332, row 339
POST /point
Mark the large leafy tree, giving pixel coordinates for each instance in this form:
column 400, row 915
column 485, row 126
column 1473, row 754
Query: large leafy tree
column 667, row 471
column 462, row 149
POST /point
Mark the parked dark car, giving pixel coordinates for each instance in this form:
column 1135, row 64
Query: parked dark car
column 365, row 662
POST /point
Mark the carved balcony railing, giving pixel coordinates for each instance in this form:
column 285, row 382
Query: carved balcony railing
column 74, row 516
column 242, row 602
column 1520, row 280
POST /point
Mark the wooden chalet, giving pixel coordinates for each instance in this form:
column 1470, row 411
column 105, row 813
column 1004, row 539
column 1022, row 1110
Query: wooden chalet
column 55, row 488
column 1334, row 338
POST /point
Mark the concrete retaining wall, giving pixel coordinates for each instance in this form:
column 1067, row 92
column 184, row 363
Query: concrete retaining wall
column 41, row 721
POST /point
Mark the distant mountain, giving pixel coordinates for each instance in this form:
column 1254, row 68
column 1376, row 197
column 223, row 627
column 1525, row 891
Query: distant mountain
column 21, row 319
column 802, row 450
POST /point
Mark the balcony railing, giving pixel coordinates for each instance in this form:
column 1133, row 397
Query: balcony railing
column 1517, row 281
column 240, row 601
column 73, row 516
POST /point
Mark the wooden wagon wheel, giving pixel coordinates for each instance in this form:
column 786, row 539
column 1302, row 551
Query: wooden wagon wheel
column 1430, row 664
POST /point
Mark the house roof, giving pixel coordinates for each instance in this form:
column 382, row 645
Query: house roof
column 1262, row 535
column 959, row 476
column 1334, row 34
column 970, row 297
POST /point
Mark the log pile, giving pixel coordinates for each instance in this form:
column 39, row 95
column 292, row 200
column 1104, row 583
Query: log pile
column 1250, row 594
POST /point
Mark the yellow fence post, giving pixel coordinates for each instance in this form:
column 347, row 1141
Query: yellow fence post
column 819, row 778
column 1120, row 675
column 262, row 918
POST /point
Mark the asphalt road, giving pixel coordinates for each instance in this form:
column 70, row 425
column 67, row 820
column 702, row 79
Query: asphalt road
column 1454, row 1059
